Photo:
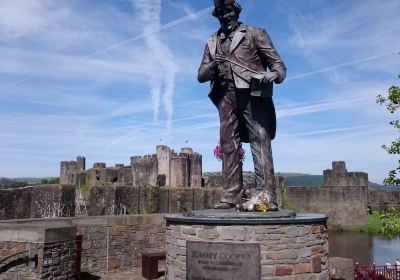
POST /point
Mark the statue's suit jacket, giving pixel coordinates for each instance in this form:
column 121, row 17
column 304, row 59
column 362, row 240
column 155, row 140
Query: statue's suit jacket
column 252, row 48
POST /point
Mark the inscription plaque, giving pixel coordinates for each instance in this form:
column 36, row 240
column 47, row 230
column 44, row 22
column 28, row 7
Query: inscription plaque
column 222, row 261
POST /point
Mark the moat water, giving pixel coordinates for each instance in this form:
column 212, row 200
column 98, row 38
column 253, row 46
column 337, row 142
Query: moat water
column 364, row 248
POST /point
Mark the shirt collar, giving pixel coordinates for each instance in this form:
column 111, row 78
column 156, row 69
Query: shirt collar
column 223, row 36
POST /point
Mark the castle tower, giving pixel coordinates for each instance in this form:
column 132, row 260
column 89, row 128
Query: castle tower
column 338, row 176
column 81, row 161
column 164, row 162
column 68, row 172
column 180, row 171
column 196, row 172
column 187, row 150
column 64, row 172
column 144, row 170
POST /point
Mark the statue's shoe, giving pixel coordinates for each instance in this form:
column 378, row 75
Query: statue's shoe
column 224, row 205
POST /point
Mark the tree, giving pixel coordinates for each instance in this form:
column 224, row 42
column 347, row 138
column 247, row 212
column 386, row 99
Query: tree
column 44, row 181
column 54, row 180
column 392, row 103
column 18, row 184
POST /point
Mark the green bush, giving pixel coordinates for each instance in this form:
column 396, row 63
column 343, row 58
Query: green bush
column 374, row 224
column 286, row 204
column 391, row 222
column 385, row 223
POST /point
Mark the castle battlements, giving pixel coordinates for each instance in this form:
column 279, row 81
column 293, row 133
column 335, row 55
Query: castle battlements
column 338, row 176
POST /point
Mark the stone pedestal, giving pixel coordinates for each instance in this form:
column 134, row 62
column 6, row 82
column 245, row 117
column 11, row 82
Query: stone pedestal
column 225, row 244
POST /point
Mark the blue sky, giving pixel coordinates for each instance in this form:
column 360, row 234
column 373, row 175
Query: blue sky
column 112, row 79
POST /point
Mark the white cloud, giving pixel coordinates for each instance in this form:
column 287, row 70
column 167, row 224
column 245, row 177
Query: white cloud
column 55, row 65
column 352, row 31
column 20, row 18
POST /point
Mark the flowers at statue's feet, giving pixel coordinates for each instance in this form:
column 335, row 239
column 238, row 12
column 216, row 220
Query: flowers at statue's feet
column 260, row 202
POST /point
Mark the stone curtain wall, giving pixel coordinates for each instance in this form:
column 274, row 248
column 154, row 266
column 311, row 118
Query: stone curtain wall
column 116, row 243
column 146, row 199
column 343, row 198
column 44, row 201
column 290, row 252
column 121, row 200
column 346, row 207
column 381, row 199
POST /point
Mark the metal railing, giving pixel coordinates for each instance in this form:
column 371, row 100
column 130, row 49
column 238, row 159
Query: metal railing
column 377, row 272
column 15, row 259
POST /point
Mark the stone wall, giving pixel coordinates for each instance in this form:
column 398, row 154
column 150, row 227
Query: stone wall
column 287, row 251
column 109, row 243
column 37, row 202
column 381, row 199
column 34, row 251
column 122, row 200
column 346, row 207
column 112, row 243
column 215, row 180
column 16, row 267
column 343, row 198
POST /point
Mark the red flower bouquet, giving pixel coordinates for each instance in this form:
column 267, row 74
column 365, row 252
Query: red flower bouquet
column 218, row 152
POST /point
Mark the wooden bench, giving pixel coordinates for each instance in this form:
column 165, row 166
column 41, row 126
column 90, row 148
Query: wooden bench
column 150, row 264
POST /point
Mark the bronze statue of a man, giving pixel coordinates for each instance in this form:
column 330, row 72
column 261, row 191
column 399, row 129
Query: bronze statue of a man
column 234, row 61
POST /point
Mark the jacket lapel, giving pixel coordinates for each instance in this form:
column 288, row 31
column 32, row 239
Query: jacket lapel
column 212, row 45
column 237, row 38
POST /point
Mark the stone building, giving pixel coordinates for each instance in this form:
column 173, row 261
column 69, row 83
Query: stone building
column 165, row 168
column 70, row 169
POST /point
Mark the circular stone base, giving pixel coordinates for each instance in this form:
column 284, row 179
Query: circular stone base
column 225, row 244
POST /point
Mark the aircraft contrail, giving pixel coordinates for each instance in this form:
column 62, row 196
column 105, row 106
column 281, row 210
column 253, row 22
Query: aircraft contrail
column 357, row 61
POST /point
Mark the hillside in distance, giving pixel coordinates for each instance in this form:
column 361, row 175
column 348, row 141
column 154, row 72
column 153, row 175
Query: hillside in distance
column 304, row 180
column 21, row 182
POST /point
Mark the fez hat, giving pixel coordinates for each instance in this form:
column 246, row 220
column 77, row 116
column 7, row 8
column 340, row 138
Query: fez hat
column 221, row 3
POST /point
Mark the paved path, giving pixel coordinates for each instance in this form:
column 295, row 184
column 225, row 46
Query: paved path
column 134, row 274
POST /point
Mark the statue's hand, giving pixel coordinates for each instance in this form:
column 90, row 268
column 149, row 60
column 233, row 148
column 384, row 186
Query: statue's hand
column 219, row 59
column 270, row 77
column 213, row 66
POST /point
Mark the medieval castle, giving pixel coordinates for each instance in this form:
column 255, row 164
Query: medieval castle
column 165, row 168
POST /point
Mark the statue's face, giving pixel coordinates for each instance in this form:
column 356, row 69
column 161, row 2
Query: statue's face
column 228, row 18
